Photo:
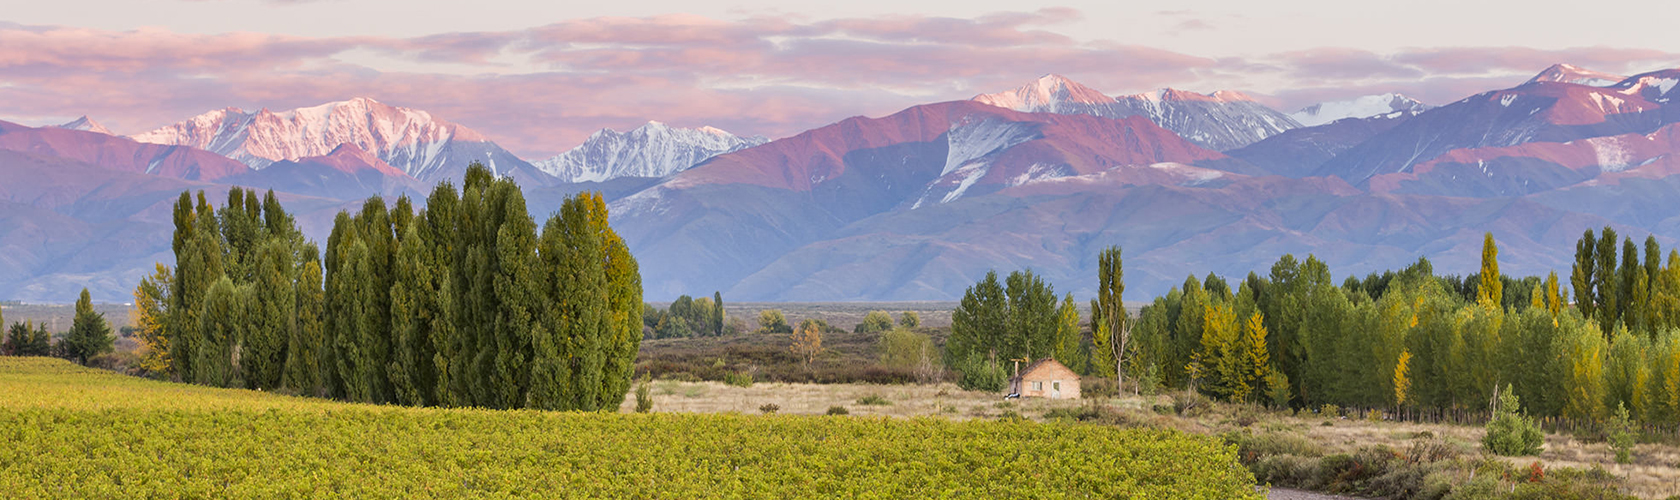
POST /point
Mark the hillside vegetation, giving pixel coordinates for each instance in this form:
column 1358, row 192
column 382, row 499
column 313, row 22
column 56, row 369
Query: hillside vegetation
column 72, row 432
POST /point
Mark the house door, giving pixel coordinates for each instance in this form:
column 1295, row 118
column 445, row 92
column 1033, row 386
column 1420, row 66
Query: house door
column 1055, row 389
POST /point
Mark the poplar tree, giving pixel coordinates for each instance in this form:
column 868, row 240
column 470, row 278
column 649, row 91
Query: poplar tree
column 304, row 348
column 1581, row 277
column 1110, row 329
column 624, row 295
column 222, row 325
column 717, row 313
column 273, row 316
column 1491, row 290
column 1606, row 283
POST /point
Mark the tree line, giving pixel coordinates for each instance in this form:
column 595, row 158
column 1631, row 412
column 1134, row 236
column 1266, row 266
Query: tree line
column 459, row 303
column 89, row 336
column 1400, row 339
column 1411, row 339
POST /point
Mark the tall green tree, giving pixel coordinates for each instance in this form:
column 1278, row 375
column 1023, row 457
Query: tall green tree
column 1581, row 277
column 273, row 316
column 1031, row 316
column 1069, row 337
column 1110, row 329
column 1607, row 283
column 978, row 323
column 89, row 334
column 303, row 370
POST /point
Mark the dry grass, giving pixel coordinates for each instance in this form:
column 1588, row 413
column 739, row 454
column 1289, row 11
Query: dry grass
column 815, row 399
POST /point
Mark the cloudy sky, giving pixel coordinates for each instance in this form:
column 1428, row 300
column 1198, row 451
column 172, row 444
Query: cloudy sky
column 538, row 76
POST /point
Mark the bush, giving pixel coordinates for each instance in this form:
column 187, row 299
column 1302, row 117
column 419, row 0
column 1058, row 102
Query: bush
column 873, row 400
column 1621, row 435
column 1509, row 433
column 875, row 321
column 1330, row 411
column 981, row 374
column 1097, row 388
column 1253, row 447
column 838, row 410
column 644, row 399
column 1011, row 416
column 1285, row 470
column 738, row 379
column 1189, row 404
column 769, row 408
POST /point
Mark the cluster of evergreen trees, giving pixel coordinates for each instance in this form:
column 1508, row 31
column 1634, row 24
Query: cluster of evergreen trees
column 1413, row 339
column 460, row 303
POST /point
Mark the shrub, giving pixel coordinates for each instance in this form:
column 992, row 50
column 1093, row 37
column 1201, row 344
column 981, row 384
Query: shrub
column 644, row 400
column 838, row 410
column 1330, row 411
column 981, row 374
column 1510, row 433
column 1098, row 388
column 873, row 400
column 875, row 321
column 1621, row 435
column 1150, row 382
column 1246, row 415
column 1189, row 404
column 769, row 408
column 1252, row 447
column 1011, row 416
column 738, row 379
column 1285, row 470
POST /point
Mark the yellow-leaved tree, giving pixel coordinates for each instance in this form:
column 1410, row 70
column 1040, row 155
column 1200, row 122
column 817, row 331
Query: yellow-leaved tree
column 1402, row 378
column 151, row 321
column 807, row 342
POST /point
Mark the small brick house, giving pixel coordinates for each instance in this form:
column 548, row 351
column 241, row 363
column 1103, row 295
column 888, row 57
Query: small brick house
column 1045, row 378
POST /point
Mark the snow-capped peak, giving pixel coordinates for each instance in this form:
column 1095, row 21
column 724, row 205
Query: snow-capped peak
column 1567, row 73
column 1172, row 94
column 1358, row 107
column 86, row 124
column 414, row 141
column 651, row 150
column 1049, row 93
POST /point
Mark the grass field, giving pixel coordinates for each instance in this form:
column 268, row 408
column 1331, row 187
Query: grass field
column 70, row 432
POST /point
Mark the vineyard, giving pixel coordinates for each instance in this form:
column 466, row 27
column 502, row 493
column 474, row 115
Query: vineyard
column 67, row 432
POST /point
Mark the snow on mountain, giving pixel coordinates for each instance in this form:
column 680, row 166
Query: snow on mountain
column 1220, row 121
column 421, row 145
column 1358, row 107
column 86, row 124
column 1656, row 86
column 1048, row 94
column 1565, row 73
column 651, row 150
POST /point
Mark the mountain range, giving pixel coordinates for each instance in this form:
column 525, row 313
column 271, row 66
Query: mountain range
column 918, row 204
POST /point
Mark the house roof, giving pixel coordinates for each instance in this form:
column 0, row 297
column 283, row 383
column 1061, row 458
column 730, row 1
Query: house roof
column 1035, row 365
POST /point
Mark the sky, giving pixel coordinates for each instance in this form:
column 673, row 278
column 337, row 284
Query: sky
column 538, row 77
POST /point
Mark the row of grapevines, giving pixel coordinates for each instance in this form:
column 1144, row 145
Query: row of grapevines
column 250, row 445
